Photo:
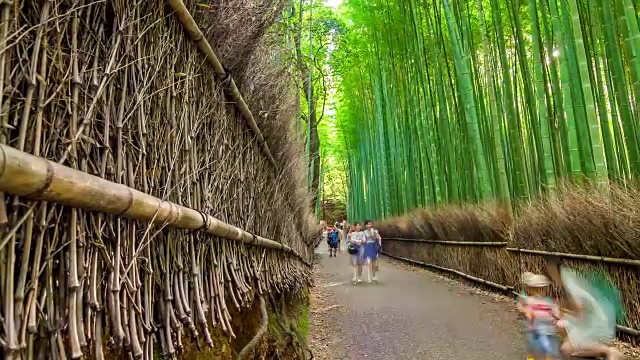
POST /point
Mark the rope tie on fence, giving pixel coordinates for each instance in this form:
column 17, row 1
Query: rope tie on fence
column 205, row 223
column 225, row 78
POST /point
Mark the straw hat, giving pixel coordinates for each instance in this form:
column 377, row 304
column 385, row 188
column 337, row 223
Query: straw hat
column 537, row 281
column 526, row 276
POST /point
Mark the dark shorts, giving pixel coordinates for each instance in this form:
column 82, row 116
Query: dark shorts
column 333, row 245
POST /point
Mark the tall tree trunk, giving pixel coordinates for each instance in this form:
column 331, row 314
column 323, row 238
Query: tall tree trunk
column 314, row 154
column 312, row 125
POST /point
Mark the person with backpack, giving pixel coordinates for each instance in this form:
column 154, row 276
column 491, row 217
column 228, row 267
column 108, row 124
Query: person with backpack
column 333, row 242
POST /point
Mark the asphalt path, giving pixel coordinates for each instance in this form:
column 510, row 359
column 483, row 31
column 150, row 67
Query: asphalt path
column 412, row 314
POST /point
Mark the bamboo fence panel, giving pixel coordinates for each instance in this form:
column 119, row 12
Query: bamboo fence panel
column 506, row 261
column 39, row 179
column 116, row 90
column 452, row 271
column 197, row 37
column 604, row 259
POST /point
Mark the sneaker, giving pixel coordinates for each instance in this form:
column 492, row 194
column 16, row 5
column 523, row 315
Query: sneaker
column 359, row 280
column 375, row 279
column 354, row 280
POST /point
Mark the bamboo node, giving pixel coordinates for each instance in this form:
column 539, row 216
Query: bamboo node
column 47, row 182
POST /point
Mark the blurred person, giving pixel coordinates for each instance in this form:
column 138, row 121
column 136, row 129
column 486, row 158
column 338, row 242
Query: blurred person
column 325, row 233
column 594, row 304
column 356, row 239
column 338, row 229
column 344, row 227
column 542, row 314
column 521, row 307
column 332, row 241
column 372, row 247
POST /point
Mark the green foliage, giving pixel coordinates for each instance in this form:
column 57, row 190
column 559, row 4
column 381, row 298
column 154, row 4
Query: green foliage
column 443, row 101
column 313, row 31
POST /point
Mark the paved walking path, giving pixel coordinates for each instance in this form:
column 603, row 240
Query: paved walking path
column 409, row 314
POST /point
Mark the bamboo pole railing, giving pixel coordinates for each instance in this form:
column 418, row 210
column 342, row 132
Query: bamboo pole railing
column 450, row 242
column 460, row 273
column 36, row 178
column 604, row 259
column 579, row 256
column 190, row 26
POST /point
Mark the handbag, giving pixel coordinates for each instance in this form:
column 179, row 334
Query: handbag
column 353, row 249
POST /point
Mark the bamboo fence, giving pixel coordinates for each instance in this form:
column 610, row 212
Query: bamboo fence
column 492, row 268
column 40, row 179
column 131, row 190
column 197, row 37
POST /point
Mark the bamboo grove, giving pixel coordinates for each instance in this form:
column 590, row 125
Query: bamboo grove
column 464, row 101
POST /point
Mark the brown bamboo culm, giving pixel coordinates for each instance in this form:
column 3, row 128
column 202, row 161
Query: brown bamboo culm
column 118, row 90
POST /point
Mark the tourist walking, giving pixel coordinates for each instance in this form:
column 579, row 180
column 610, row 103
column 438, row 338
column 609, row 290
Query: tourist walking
column 542, row 313
column 333, row 242
column 372, row 247
column 343, row 235
column 356, row 239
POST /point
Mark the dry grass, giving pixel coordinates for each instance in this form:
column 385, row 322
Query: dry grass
column 582, row 220
column 482, row 223
column 576, row 220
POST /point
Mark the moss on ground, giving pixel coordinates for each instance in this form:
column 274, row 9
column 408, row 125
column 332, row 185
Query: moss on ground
column 276, row 344
column 303, row 321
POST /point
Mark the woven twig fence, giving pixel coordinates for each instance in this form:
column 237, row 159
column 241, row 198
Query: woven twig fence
column 488, row 261
column 117, row 89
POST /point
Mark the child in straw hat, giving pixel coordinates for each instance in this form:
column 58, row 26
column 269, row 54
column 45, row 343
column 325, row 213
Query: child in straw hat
column 594, row 305
column 542, row 314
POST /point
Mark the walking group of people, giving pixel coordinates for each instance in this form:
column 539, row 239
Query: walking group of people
column 588, row 323
column 363, row 246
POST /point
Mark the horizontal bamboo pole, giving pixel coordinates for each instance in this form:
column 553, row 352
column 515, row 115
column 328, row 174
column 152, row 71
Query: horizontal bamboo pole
column 36, row 178
column 447, row 242
column 197, row 37
column 460, row 273
column 619, row 328
column 580, row 257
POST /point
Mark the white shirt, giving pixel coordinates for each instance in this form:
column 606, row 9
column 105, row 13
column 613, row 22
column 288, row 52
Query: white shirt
column 357, row 237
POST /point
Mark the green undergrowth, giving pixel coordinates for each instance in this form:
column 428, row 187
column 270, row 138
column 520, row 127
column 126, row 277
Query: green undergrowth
column 280, row 342
column 303, row 321
column 288, row 327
